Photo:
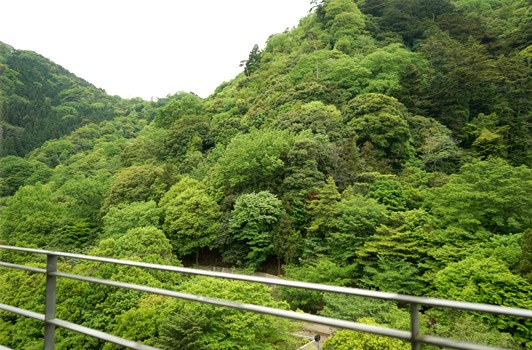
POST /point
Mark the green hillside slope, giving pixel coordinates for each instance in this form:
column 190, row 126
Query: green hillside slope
column 379, row 144
column 40, row 100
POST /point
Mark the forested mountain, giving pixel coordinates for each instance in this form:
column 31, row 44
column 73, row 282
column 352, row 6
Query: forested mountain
column 40, row 100
column 380, row 144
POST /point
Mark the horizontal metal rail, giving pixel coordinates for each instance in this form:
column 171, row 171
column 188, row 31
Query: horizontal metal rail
column 298, row 316
column 15, row 310
column 101, row 335
column 77, row 328
column 401, row 298
column 22, row 267
column 411, row 336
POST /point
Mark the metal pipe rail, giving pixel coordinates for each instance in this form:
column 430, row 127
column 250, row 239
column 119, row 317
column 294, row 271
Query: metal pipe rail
column 413, row 336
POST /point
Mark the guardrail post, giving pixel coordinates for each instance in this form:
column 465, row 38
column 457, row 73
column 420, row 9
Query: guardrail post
column 414, row 326
column 49, row 309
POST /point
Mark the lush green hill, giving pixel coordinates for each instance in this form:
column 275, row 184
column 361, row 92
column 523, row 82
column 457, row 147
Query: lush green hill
column 40, row 100
column 379, row 144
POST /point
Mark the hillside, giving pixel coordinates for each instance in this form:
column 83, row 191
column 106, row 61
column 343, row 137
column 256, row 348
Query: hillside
column 40, row 100
column 379, row 144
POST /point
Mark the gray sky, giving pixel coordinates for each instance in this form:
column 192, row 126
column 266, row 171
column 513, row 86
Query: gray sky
column 147, row 48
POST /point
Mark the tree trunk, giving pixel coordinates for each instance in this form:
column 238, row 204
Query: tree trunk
column 197, row 257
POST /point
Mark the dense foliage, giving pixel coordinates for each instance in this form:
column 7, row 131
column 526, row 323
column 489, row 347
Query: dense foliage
column 379, row 144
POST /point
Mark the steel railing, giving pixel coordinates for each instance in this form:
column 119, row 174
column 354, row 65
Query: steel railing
column 413, row 336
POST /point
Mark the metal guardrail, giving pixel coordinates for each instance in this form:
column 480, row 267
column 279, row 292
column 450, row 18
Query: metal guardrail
column 413, row 336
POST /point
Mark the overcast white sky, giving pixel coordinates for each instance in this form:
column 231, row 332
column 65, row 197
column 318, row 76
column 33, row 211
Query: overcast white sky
column 147, row 48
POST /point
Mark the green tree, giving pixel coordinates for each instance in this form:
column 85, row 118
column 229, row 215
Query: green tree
column 191, row 217
column 349, row 340
column 141, row 242
column 381, row 121
column 253, row 61
column 461, row 79
column 252, row 161
column 78, row 232
column 334, row 8
column 355, row 308
column 401, row 238
column 468, row 328
column 309, row 66
column 415, row 181
column 319, row 270
column 13, row 172
column 434, row 144
column 308, row 91
column 355, row 221
column 137, row 184
column 407, row 19
column 316, row 116
column 254, row 222
column 224, row 130
column 187, row 134
column 322, row 209
column 124, row 216
column 346, row 26
column 287, row 242
column 491, row 195
column 182, row 104
column 485, row 136
column 514, row 112
column 386, row 67
column 85, row 194
column 140, row 323
column 344, row 20
column 16, row 289
column 106, row 308
column 301, row 169
column 185, row 331
column 34, row 215
column 388, row 192
column 91, row 305
column 525, row 263
column 486, row 198
column 411, row 93
column 57, row 151
column 487, row 280
column 350, row 77
column 188, row 325
column 393, row 275
column 344, row 161
column 145, row 148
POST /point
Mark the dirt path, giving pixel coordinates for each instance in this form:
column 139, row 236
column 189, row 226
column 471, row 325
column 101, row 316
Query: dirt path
column 229, row 270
